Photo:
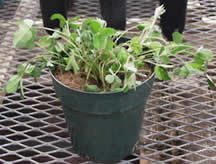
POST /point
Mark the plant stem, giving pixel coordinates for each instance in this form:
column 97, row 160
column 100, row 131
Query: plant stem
column 126, row 31
column 63, row 36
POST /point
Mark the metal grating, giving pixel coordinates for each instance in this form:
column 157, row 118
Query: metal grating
column 180, row 118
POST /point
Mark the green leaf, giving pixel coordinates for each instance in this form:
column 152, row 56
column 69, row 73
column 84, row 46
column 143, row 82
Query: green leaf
column 166, row 65
column 74, row 36
column 207, row 55
column 43, row 59
column 184, row 72
column 203, row 55
column 104, row 57
column 136, row 46
column 95, row 27
column 131, row 82
column 115, row 67
column 130, row 67
column 194, row 68
column 110, row 78
column 107, row 32
column 101, row 21
column 164, row 59
column 156, row 58
column 38, row 69
column 29, row 69
column 177, row 37
column 31, row 43
column 141, row 27
column 139, row 64
column 71, row 63
column 122, row 56
column 161, row 73
column 188, row 69
column 59, row 47
column 155, row 45
column 98, row 41
column 109, row 44
column 55, row 35
column 157, row 34
column 21, row 68
column 87, row 22
column 177, row 71
column 76, row 18
column 36, row 72
column 198, row 59
column 13, row 84
column 45, row 41
column 21, row 90
column 135, row 39
column 180, row 48
column 61, row 18
column 29, row 22
column 49, row 64
column 188, row 52
column 112, row 54
column 23, row 36
column 195, row 65
column 210, row 81
column 116, row 84
column 91, row 88
column 71, row 24
column 25, row 69
column 125, row 89
column 162, row 50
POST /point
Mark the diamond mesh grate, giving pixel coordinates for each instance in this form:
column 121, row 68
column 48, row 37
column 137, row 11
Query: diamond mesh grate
column 180, row 117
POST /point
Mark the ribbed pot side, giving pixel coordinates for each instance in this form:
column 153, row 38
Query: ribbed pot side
column 104, row 126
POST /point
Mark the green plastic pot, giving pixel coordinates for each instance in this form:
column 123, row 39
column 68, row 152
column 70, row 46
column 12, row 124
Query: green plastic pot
column 104, row 126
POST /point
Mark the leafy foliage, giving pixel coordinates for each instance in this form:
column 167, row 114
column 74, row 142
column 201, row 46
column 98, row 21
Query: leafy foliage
column 96, row 51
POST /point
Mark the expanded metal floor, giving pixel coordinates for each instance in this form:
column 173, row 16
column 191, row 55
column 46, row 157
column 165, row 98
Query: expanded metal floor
column 180, row 117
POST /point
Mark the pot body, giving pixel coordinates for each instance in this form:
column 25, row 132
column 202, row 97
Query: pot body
column 1, row 3
column 114, row 12
column 50, row 7
column 104, row 126
column 70, row 3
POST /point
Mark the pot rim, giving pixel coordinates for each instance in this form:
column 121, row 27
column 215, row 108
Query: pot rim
column 101, row 93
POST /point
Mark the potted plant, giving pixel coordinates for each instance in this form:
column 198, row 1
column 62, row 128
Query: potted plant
column 103, row 78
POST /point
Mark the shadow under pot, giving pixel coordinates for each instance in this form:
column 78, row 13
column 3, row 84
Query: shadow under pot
column 50, row 7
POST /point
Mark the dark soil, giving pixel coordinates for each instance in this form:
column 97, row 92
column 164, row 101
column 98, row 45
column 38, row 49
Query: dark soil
column 78, row 81
column 73, row 81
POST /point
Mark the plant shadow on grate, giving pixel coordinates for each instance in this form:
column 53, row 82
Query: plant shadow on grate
column 180, row 117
